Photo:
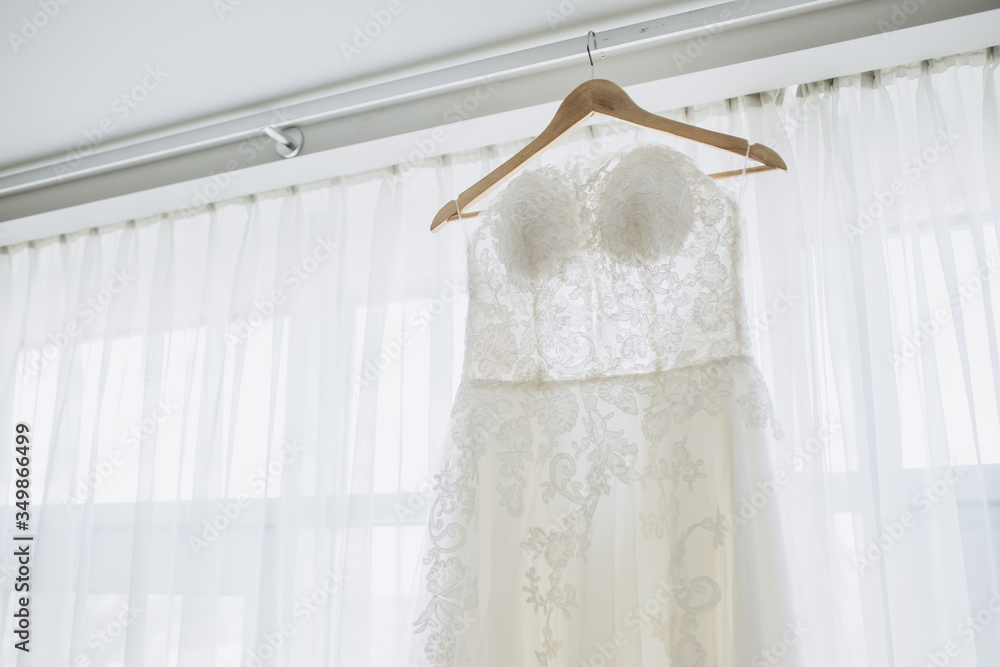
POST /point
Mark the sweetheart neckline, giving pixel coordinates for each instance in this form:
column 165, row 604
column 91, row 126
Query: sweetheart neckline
column 647, row 214
column 569, row 177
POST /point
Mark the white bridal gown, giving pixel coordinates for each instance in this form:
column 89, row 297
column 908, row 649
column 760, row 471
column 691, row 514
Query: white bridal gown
column 610, row 420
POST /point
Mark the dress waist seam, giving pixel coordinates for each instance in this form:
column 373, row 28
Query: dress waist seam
column 468, row 380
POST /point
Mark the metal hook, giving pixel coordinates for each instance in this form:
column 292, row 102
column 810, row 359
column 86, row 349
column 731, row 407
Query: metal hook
column 591, row 57
column 289, row 140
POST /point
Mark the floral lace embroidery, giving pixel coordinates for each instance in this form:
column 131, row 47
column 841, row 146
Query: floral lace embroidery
column 590, row 297
column 632, row 269
column 692, row 596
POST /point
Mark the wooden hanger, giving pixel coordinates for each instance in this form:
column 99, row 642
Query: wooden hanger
column 606, row 98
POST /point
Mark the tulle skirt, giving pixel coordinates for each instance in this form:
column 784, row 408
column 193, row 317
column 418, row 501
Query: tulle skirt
column 627, row 521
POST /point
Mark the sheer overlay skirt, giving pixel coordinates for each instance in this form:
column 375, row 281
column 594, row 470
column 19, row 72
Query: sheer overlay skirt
column 612, row 521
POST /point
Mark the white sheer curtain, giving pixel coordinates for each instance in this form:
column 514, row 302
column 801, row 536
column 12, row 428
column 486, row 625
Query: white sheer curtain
column 235, row 412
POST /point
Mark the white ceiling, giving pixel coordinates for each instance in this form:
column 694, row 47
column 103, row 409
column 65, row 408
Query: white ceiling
column 262, row 56
column 233, row 56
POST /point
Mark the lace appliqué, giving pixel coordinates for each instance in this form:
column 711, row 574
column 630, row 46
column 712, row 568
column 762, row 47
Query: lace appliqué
column 592, row 299
column 497, row 421
column 631, row 269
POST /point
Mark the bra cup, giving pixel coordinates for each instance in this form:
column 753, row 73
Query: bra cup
column 639, row 208
column 645, row 209
column 537, row 231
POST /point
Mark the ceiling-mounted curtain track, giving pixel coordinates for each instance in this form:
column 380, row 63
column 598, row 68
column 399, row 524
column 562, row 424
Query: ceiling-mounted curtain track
column 367, row 98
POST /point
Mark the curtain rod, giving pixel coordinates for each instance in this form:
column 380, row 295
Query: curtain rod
column 382, row 94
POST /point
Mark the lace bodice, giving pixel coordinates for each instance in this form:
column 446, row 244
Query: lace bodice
column 631, row 269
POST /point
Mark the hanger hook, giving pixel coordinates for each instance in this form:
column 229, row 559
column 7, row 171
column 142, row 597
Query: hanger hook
column 589, row 55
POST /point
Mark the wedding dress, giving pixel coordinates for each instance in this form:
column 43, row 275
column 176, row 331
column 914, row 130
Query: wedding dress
column 610, row 425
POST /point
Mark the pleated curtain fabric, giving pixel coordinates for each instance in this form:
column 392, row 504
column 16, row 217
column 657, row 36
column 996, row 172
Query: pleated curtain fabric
column 235, row 411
